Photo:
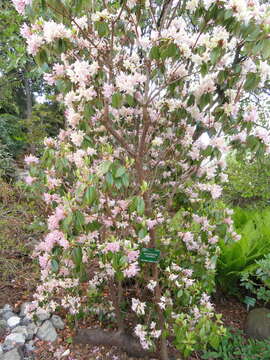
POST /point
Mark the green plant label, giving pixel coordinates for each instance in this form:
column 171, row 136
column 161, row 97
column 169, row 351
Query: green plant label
column 149, row 255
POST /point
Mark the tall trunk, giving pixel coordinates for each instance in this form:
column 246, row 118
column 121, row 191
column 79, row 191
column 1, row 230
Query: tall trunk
column 28, row 93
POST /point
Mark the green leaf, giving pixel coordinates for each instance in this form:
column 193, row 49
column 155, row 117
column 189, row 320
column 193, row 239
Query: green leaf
column 90, row 195
column 117, row 100
column 41, row 57
column 140, row 206
column 120, row 171
column 109, row 179
column 214, row 341
column 216, row 54
column 125, row 180
column 67, row 222
column 43, row 5
column 266, row 49
column 54, row 266
column 102, row 28
column 252, row 81
column 79, row 220
column 104, row 167
column 130, row 100
column 169, row 51
column 154, row 53
column 77, row 256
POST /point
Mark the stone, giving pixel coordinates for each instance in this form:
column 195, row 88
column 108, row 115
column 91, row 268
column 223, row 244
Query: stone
column 14, row 354
column 258, row 324
column 3, row 327
column 43, row 315
column 31, row 331
column 57, row 322
column 6, row 308
column 26, row 321
column 47, row 332
column 14, row 339
column 20, row 330
column 29, row 346
column 7, row 314
column 13, row 321
column 1, row 350
column 23, row 308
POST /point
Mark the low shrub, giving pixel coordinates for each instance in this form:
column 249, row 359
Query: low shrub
column 237, row 347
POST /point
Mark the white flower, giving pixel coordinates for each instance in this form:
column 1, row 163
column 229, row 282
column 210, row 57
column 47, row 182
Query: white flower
column 152, row 284
column 138, row 307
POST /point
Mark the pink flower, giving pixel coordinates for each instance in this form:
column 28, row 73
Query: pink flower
column 34, row 42
column 25, row 31
column 43, row 260
column 133, row 255
column 30, row 159
column 20, row 5
column 107, row 90
column 113, row 247
column 132, row 270
column 29, row 180
column 49, row 78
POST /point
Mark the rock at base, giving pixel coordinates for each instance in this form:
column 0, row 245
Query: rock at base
column 43, row 315
column 13, row 321
column 57, row 322
column 23, row 308
column 14, row 354
column 258, row 324
column 3, row 327
column 8, row 314
column 47, row 332
column 14, row 339
column 20, row 330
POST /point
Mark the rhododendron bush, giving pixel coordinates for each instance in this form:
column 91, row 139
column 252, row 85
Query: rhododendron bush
column 155, row 92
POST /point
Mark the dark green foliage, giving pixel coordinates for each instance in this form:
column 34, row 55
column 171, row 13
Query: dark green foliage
column 238, row 257
column 257, row 282
column 12, row 137
column 249, row 181
column 236, row 347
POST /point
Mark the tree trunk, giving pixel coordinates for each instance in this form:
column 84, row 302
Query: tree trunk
column 28, row 94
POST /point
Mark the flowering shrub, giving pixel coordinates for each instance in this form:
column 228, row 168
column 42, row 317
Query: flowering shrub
column 144, row 83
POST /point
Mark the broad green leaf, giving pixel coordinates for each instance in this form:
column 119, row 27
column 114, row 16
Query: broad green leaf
column 90, row 195
column 252, row 81
column 104, row 167
column 140, row 205
column 155, row 53
column 120, row 171
column 54, row 266
column 117, row 100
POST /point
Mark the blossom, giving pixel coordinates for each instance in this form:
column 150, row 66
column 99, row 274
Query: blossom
column 151, row 285
column 132, row 270
column 138, row 307
column 77, row 137
column 142, row 335
column 21, row 4
column 52, row 31
column 29, row 179
column 133, row 255
column 34, row 42
column 113, row 247
column 25, row 31
column 31, row 159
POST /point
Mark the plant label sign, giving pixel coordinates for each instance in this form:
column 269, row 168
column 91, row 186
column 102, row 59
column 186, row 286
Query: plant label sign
column 149, row 255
